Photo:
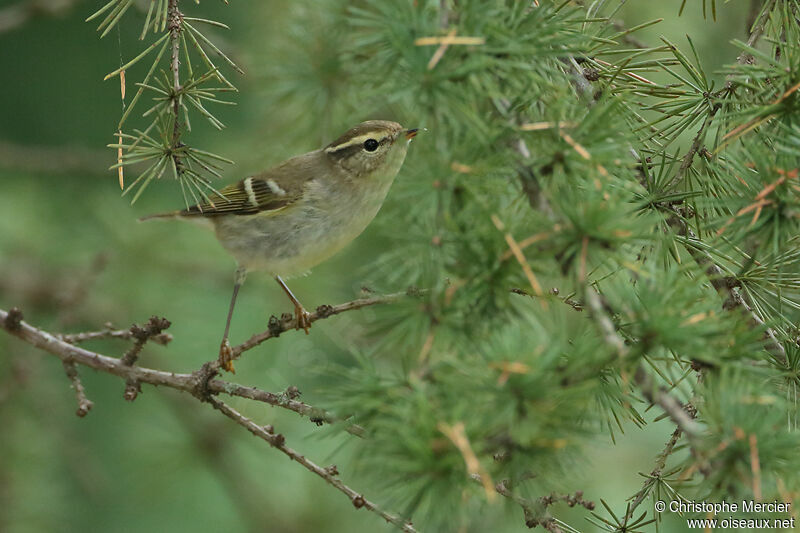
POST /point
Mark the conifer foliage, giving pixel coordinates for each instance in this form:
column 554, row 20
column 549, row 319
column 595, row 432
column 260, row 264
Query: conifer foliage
column 603, row 230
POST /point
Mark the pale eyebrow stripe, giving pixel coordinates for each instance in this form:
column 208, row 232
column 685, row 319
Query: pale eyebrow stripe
column 356, row 141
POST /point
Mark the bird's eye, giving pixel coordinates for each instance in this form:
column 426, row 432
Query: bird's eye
column 370, row 145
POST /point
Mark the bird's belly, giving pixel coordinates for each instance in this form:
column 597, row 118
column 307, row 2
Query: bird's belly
column 292, row 241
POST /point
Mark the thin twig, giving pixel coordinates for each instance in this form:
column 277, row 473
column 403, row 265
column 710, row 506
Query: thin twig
column 175, row 24
column 758, row 27
column 605, row 324
column 108, row 333
column 84, row 404
column 752, row 13
column 457, row 435
column 520, row 257
column 654, row 394
column 655, row 474
column 284, row 400
column 527, row 176
column 697, row 143
column 725, row 287
column 141, row 334
column 756, row 31
column 576, row 305
column 330, row 476
column 627, row 37
column 535, row 511
column 288, row 322
column 677, row 412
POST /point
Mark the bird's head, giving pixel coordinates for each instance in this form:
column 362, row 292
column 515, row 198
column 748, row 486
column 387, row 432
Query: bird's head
column 372, row 149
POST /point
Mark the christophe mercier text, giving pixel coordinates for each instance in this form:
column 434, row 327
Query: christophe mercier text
column 745, row 506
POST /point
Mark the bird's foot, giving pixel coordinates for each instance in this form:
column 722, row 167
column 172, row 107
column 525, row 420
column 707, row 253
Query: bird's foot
column 226, row 356
column 303, row 318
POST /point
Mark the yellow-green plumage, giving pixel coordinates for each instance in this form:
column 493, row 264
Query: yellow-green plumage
column 299, row 213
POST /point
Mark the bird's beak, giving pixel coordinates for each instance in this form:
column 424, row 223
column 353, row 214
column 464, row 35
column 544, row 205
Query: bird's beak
column 410, row 134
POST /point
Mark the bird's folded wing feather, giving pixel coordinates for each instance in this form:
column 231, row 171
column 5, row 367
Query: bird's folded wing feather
column 249, row 196
column 267, row 192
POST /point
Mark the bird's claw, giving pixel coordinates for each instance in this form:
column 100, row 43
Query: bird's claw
column 226, row 356
column 302, row 318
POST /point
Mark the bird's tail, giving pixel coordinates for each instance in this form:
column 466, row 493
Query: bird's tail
column 170, row 214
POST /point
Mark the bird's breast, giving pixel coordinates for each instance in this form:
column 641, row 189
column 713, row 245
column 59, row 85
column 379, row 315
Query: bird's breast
column 298, row 237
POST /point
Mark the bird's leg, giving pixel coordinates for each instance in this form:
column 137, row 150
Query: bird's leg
column 302, row 317
column 225, row 350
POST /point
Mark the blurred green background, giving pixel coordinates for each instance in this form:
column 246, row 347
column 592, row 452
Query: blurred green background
column 72, row 257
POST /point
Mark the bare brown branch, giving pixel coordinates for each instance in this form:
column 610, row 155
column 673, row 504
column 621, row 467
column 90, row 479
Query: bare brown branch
column 201, row 385
column 278, row 441
column 12, row 322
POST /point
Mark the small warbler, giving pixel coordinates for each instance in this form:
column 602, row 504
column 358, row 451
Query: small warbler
column 299, row 213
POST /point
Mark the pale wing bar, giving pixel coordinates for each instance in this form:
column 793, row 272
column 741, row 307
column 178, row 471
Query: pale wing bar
column 247, row 197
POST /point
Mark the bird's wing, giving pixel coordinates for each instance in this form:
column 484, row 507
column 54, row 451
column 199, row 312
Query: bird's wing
column 247, row 197
column 268, row 192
